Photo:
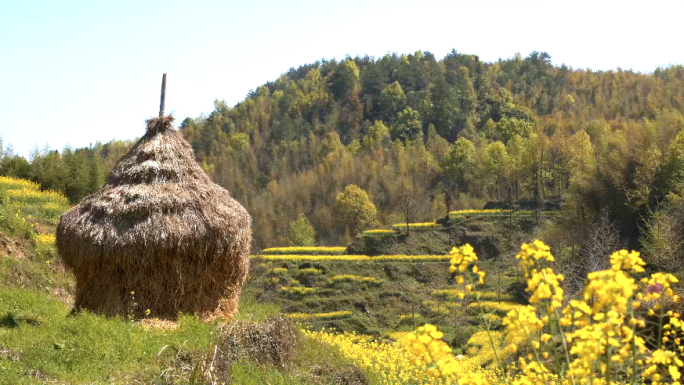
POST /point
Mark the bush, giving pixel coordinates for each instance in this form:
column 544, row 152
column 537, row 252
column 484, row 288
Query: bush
column 462, row 335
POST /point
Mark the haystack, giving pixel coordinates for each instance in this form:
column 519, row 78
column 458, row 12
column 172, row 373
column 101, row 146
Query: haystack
column 159, row 236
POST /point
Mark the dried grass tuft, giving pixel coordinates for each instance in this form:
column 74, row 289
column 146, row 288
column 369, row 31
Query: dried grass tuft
column 274, row 341
column 159, row 236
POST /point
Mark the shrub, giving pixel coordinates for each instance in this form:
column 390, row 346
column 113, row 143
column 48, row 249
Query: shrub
column 308, row 272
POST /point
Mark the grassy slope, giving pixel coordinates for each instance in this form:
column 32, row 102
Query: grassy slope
column 41, row 342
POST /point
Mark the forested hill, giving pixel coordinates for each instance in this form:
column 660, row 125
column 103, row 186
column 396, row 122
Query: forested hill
column 454, row 131
column 385, row 125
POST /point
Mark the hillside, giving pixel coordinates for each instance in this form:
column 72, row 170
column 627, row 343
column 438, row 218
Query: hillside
column 382, row 297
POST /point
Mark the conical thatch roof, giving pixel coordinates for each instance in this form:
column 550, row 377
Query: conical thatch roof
column 161, row 229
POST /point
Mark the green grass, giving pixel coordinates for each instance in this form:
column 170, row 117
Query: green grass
column 92, row 349
column 79, row 348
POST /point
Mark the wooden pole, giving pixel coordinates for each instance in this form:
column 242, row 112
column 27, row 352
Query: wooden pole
column 163, row 96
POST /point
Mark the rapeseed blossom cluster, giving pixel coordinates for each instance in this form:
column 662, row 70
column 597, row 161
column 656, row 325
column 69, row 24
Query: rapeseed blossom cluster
column 431, row 352
column 461, row 259
column 354, row 278
column 595, row 339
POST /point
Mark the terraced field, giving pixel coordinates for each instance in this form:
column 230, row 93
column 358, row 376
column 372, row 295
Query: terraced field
column 379, row 295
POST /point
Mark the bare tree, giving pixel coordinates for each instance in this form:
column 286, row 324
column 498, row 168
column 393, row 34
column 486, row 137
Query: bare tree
column 601, row 240
column 663, row 240
column 407, row 200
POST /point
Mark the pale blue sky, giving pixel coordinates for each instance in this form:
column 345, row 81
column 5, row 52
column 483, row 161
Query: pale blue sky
column 80, row 71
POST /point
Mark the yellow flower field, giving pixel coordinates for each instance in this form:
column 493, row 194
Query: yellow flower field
column 354, row 258
column 380, row 232
column 320, row 316
column 17, row 184
column 27, row 197
column 425, row 225
column 391, row 364
column 495, row 212
column 304, row 250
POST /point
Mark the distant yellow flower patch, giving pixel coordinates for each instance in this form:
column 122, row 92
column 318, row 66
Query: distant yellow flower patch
column 15, row 183
column 355, row 258
column 496, row 212
column 354, row 278
column 310, row 271
column 45, row 238
column 380, row 233
column 336, row 250
column 321, row 316
column 296, row 290
column 26, row 196
column 424, row 225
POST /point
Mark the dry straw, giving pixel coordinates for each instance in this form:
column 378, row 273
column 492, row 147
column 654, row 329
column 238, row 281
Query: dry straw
column 159, row 236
